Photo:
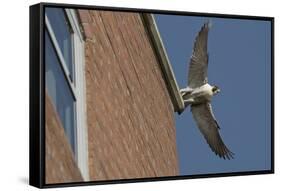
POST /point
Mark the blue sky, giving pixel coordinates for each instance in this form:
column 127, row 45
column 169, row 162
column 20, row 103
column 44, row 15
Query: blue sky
column 239, row 63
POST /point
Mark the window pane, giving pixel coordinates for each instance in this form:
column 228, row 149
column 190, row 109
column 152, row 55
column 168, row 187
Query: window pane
column 62, row 30
column 59, row 91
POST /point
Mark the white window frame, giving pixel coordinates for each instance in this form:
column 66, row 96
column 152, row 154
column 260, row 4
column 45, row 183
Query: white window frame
column 77, row 88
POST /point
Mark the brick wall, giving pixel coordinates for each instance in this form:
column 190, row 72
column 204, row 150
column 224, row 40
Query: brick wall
column 131, row 128
column 60, row 164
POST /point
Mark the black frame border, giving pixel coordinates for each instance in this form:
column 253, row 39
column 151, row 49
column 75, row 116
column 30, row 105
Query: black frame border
column 37, row 95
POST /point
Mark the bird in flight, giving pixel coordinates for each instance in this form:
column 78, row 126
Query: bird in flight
column 198, row 95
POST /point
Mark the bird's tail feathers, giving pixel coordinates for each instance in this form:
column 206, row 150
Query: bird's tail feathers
column 186, row 104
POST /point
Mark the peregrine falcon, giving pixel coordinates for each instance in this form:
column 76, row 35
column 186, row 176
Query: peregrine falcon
column 198, row 94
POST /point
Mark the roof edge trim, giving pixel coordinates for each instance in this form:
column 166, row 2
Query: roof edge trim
column 163, row 60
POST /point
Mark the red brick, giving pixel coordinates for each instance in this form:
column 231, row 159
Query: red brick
column 133, row 131
column 60, row 163
column 85, row 17
column 88, row 30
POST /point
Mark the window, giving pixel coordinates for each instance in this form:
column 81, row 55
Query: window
column 59, row 91
column 59, row 70
column 64, row 75
column 63, row 32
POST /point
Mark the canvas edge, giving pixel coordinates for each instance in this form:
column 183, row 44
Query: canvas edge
column 36, row 155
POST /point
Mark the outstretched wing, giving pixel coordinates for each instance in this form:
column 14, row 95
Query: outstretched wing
column 198, row 66
column 209, row 127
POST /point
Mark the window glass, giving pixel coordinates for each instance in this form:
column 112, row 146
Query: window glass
column 59, row 91
column 63, row 33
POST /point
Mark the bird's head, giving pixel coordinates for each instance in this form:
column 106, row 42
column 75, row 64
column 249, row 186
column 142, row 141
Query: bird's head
column 215, row 89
